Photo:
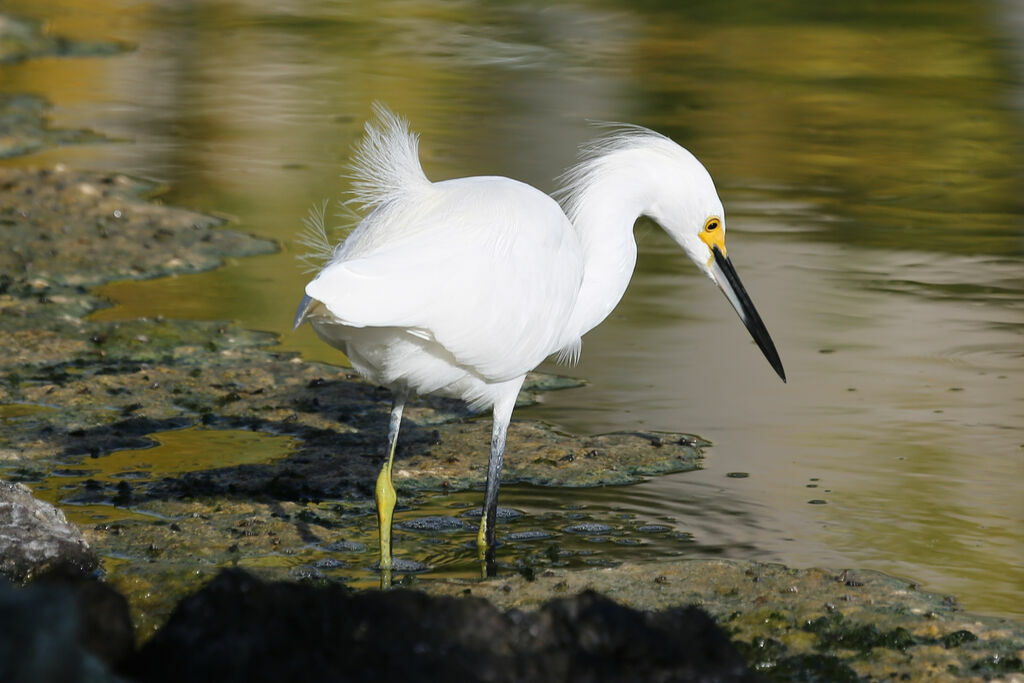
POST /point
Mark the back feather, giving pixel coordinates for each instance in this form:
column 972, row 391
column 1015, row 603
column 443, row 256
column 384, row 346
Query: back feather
column 384, row 166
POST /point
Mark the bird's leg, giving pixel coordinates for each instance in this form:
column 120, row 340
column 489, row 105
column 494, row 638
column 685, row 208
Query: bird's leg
column 485, row 540
column 385, row 491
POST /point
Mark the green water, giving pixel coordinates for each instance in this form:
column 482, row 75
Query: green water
column 869, row 158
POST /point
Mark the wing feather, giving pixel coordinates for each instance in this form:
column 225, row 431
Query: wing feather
column 487, row 267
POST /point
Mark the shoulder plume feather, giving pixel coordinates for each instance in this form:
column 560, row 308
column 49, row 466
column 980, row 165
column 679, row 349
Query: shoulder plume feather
column 385, row 163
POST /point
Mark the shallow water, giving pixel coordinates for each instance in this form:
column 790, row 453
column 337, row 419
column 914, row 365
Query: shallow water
column 869, row 159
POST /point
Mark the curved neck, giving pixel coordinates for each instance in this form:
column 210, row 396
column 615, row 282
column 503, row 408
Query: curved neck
column 603, row 210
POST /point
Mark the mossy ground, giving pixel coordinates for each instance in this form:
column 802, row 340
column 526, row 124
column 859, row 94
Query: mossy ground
column 797, row 624
column 88, row 405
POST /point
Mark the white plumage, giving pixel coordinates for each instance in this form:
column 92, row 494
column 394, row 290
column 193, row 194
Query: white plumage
column 446, row 287
column 461, row 287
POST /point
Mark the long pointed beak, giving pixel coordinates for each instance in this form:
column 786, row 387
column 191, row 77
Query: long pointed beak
column 729, row 282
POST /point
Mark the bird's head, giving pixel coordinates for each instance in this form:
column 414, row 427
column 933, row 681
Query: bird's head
column 634, row 171
column 683, row 200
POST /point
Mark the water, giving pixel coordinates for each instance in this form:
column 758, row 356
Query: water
column 869, row 158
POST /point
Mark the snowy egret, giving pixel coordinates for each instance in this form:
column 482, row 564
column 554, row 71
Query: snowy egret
column 461, row 287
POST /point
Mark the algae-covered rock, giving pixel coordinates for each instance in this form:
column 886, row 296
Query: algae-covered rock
column 22, row 39
column 65, row 228
column 111, row 391
column 795, row 624
column 539, row 455
column 23, row 129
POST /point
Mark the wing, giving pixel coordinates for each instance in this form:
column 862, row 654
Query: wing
column 489, row 268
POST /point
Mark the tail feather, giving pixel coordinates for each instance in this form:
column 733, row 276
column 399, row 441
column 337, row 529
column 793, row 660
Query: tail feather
column 386, row 162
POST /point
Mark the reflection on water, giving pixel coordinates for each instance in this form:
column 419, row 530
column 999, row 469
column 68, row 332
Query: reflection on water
column 869, row 158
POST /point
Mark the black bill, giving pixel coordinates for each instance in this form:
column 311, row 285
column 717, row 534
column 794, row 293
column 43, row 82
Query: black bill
column 729, row 282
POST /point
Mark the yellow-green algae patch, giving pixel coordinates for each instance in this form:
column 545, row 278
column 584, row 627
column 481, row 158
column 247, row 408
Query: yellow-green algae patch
column 82, row 488
column 19, row 411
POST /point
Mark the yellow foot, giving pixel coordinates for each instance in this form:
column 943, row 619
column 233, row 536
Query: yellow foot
column 386, row 499
column 481, row 540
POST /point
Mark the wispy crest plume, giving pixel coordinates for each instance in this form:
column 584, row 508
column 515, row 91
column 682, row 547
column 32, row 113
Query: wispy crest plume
column 615, row 137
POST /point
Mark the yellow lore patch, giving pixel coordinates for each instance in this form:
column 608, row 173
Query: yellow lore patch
column 713, row 235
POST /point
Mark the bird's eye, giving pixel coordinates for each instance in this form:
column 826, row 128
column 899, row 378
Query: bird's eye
column 711, row 225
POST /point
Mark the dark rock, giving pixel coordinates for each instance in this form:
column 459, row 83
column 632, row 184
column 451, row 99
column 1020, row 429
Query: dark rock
column 104, row 620
column 239, row 628
column 35, row 537
column 39, row 638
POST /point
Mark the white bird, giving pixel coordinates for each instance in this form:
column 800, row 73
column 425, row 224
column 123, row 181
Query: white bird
column 460, row 287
